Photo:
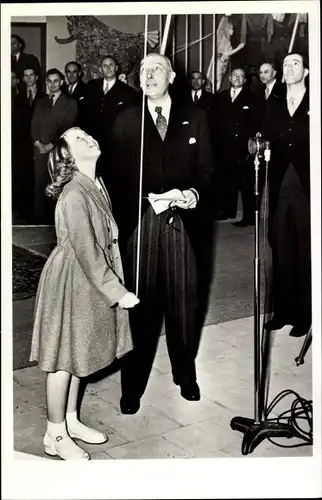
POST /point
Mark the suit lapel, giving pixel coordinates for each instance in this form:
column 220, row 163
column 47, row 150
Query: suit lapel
column 303, row 106
column 101, row 86
column 175, row 121
column 203, row 99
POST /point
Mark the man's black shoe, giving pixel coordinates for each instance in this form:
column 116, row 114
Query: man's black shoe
column 191, row 392
column 243, row 223
column 299, row 330
column 129, row 406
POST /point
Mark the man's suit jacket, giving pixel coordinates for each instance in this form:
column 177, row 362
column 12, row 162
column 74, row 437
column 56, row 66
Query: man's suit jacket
column 25, row 61
column 276, row 93
column 183, row 160
column 101, row 110
column 50, row 122
column 25, row 113
column 205, row 102
column 79, row 94
column 235, row 123
column 290, row 143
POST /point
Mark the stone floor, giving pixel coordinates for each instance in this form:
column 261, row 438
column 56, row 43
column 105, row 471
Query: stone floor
column 167, row 426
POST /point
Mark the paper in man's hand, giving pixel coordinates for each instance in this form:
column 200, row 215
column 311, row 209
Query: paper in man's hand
column 163, row 201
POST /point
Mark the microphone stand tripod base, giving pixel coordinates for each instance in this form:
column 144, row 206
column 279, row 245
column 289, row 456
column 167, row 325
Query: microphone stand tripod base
column 255, row 433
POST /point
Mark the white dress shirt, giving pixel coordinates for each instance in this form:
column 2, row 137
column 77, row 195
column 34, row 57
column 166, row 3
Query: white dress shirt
column 56, row 95
column 166, row 107
column 71, row 87
column 109, row 84
column 234, row 92
column 294, row 99
column 198, row 92
column 269, row 88
column 33, row 91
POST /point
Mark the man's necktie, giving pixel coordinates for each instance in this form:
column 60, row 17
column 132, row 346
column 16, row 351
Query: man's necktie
column 70, row 89
column 106, row 88
column 291, row 105
column 51, row 97
column 266, row 93
column 30, row 98
column 233, row 95
column 161, row 122
column 195, row 98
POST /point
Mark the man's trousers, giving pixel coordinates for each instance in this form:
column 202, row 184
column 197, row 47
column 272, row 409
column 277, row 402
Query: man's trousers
column 167, row 290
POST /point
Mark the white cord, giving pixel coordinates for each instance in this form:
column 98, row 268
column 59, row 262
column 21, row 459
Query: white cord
column 141, row 172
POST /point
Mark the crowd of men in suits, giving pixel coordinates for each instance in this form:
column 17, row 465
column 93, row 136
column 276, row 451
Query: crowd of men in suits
column 39, row 119
column 195, row 142
column 234, row 116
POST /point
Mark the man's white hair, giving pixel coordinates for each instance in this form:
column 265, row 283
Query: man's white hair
column 164, row 58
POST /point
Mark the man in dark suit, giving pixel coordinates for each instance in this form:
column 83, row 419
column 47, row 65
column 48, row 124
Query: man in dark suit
column 198, row 94
column 54, row 114
column 286, row 125
column 25, row 107
column 106, row 97
column 271, row 87
column 200, row 97
column 176, row 155
column 236, row 120
column 76, row 88
column 21, row 60
column 15, row 148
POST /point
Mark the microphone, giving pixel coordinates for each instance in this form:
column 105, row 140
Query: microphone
column 257, row 146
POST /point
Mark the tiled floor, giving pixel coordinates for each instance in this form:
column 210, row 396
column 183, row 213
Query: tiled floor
column 168, row 426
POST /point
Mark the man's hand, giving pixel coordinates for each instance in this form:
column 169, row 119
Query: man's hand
column 189, row 202
column 47, row 148
column 40, row 146
column 128, row 301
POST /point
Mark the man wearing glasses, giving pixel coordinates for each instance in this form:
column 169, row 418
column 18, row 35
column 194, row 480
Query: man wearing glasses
column 176, row 181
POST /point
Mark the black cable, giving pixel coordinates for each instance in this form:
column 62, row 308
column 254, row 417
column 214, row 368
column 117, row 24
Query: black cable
column 301, row 409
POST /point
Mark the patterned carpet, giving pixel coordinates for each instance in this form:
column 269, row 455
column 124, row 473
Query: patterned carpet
column 26, row 269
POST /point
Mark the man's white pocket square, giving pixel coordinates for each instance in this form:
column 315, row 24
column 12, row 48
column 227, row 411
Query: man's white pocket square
column 192, row 140
column 185, row 123
column 246, row 107
column 81, row 98
column 121, row 102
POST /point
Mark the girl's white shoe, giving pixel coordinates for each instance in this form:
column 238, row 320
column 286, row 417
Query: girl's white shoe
column 80, row 431
column 64, row 447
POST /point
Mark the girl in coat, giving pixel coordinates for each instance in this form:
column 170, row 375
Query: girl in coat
column 81, row 323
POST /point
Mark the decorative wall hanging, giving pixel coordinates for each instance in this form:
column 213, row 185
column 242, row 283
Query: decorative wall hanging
column 95, row 39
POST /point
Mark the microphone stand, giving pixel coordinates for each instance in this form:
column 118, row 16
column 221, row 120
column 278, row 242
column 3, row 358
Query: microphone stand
column 256, row 430
column 306, row 344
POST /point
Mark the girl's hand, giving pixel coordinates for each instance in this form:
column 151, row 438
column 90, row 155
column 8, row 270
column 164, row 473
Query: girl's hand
column 128, row 301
